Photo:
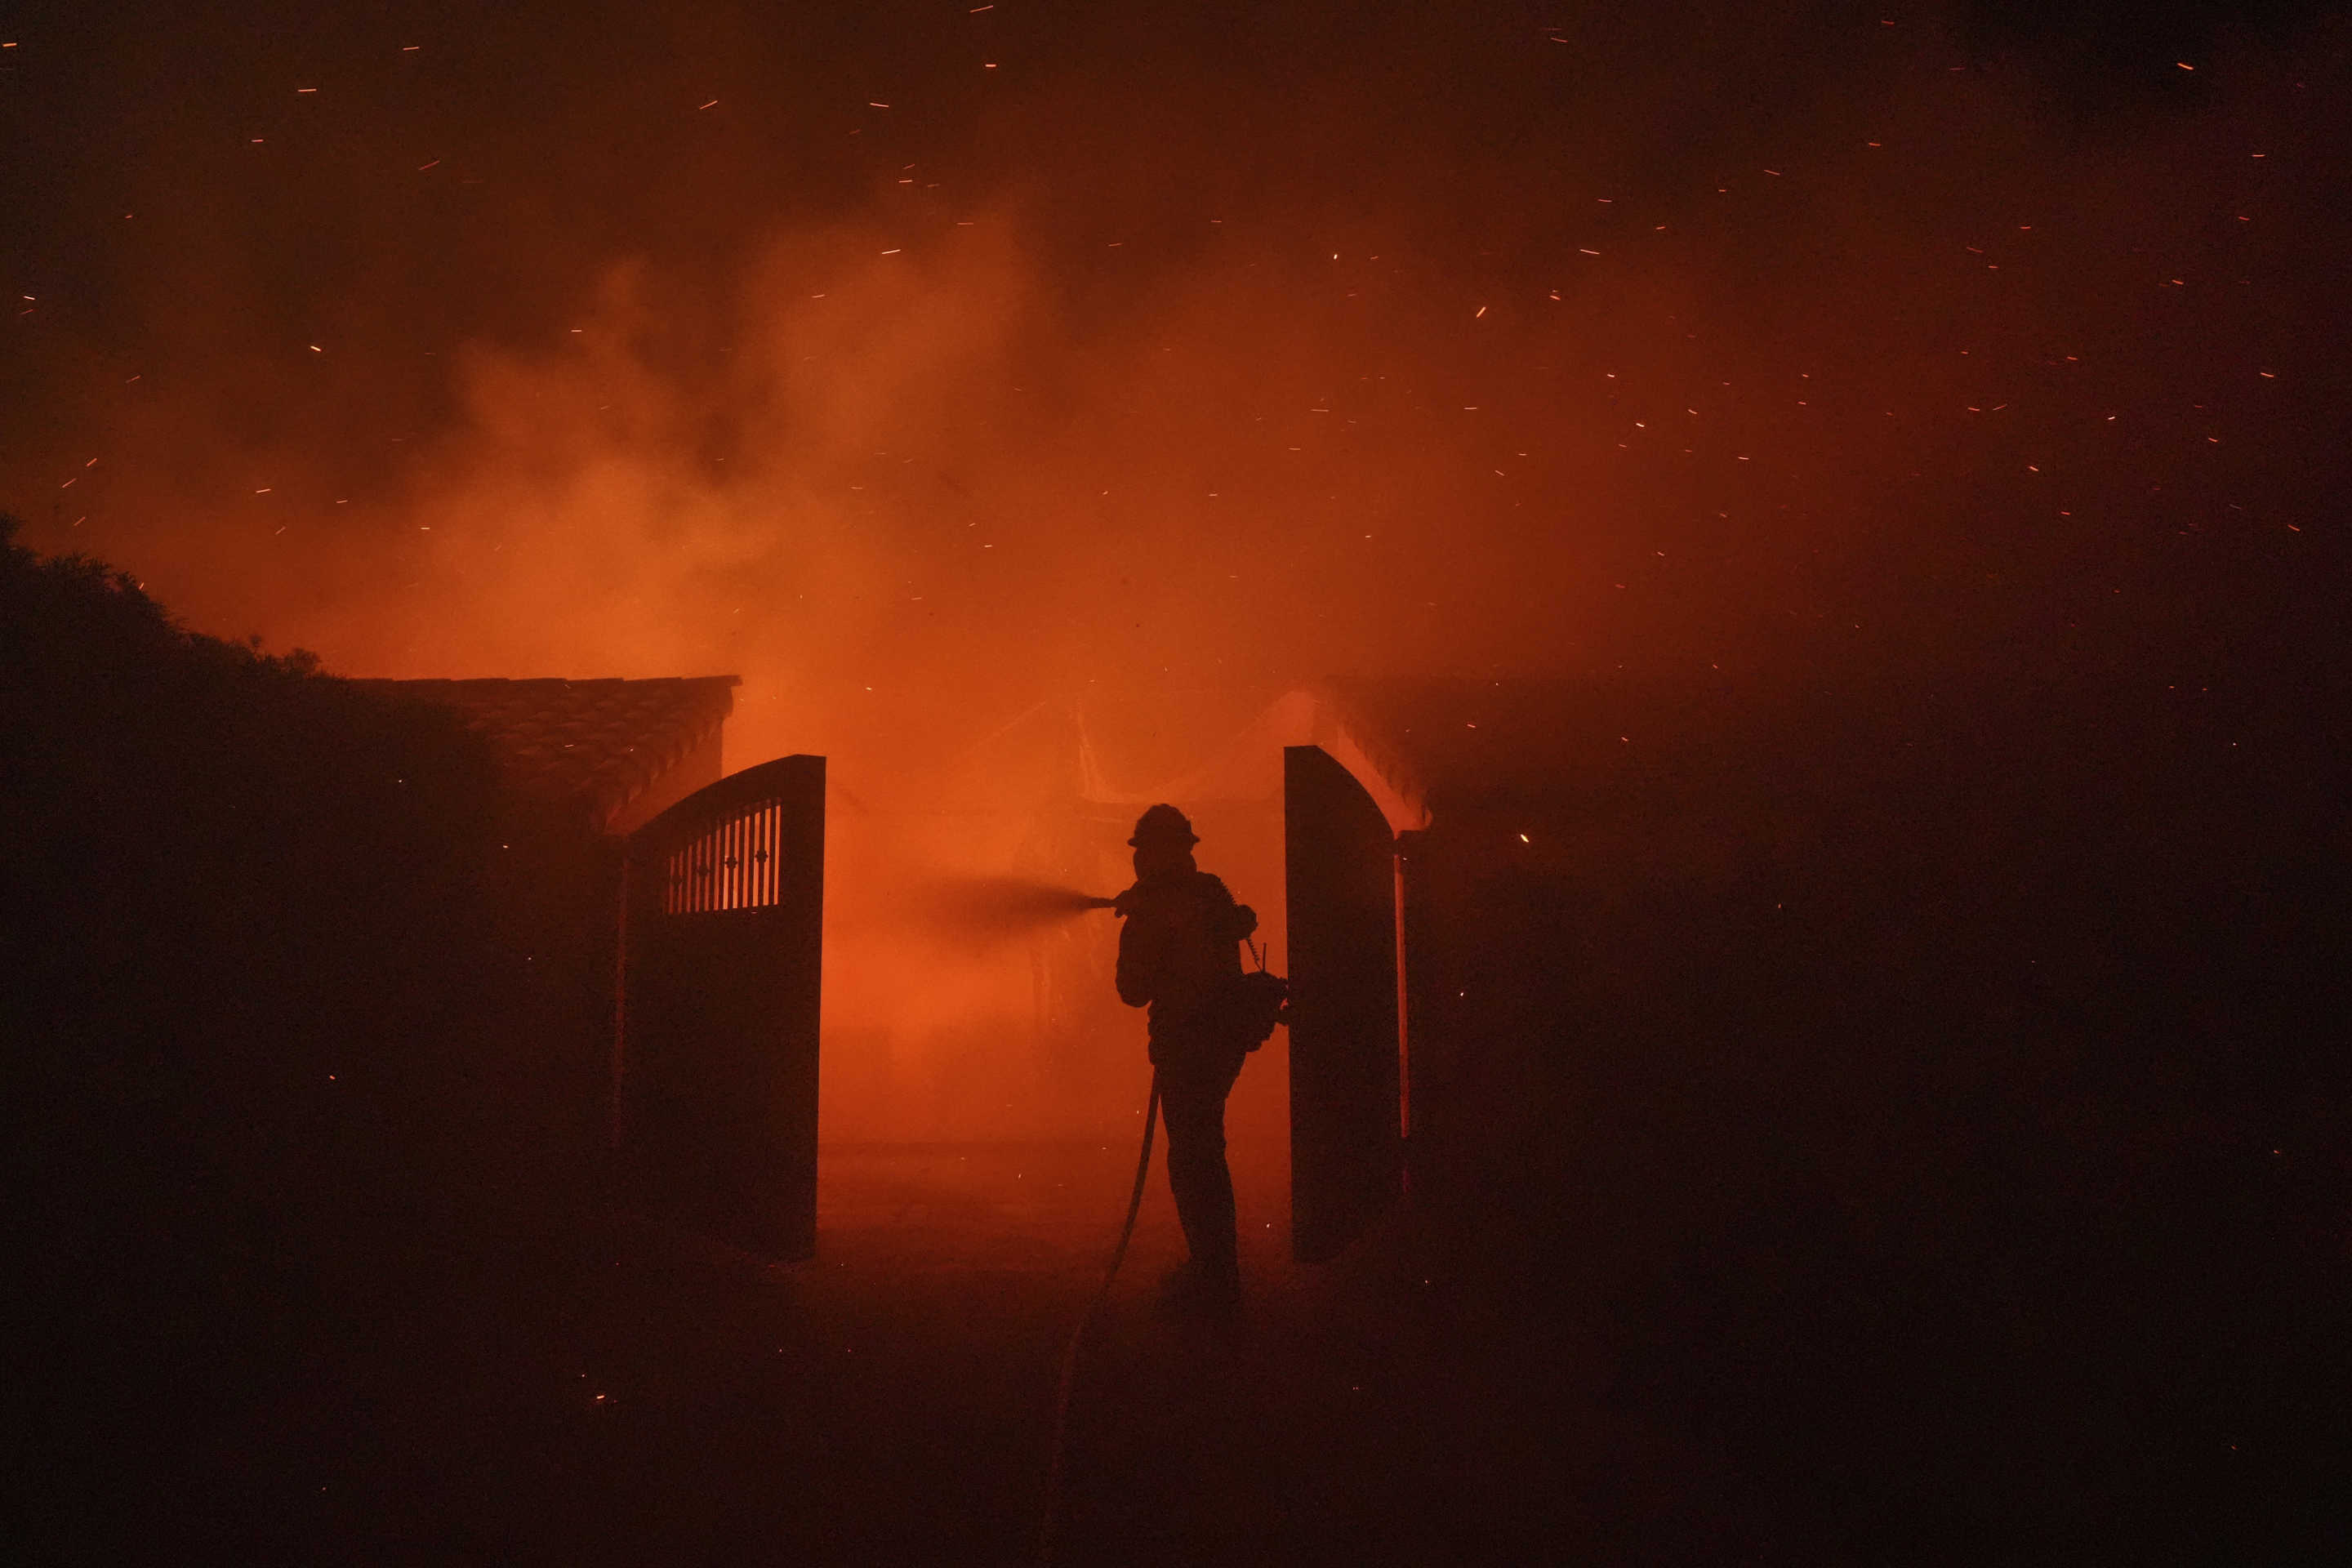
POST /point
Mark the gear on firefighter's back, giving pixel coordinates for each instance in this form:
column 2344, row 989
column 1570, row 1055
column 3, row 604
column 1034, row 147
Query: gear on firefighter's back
column 1261, row 1001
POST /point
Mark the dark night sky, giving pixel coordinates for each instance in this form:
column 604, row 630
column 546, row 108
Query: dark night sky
column 970, row 353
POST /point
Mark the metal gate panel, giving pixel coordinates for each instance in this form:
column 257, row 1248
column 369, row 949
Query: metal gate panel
column 716, row 1059
column 1340, row 873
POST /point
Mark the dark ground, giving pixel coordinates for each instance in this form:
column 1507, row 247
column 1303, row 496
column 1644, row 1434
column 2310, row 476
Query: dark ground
column 633, row 1393
column 650, row 1395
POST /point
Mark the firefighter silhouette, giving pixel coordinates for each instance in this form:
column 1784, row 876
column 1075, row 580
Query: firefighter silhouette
column 1178, row 953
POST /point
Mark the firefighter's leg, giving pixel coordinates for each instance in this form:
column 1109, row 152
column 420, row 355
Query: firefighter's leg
column 1192, row 1090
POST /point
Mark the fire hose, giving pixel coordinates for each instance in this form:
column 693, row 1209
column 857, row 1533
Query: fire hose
column 1053, row 1506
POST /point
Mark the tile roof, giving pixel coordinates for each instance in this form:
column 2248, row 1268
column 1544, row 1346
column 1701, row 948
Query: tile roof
column 596, row 744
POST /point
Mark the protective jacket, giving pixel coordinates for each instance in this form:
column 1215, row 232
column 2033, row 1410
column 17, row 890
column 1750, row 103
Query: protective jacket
column 1179, row 951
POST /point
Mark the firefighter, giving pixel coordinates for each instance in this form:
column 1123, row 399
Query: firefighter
column 1178, row 952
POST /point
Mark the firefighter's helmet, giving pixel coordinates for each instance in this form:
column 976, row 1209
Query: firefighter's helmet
column 1164, row 824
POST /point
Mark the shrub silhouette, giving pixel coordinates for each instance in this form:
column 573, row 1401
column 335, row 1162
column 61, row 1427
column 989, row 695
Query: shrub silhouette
column 285, row 999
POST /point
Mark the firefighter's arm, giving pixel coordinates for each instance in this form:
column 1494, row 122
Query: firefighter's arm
column 1137, row 962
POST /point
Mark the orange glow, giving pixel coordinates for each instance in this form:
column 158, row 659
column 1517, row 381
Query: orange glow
column 1139, row 412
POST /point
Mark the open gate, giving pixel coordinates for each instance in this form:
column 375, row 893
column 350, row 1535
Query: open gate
column 715, row 1058
column 1347, row 1150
